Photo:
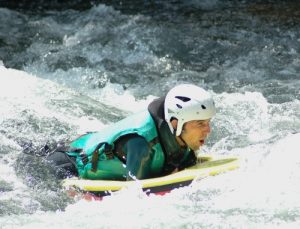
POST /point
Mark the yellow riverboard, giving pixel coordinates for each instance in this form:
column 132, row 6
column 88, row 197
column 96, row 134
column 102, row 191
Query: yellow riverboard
column 208, row 166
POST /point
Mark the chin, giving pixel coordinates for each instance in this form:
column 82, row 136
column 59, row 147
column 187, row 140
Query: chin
column 196, row 148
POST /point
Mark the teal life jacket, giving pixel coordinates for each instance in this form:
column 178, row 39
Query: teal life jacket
column 94, row 151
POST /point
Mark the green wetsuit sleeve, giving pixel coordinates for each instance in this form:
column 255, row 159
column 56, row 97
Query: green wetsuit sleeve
column 138, row 160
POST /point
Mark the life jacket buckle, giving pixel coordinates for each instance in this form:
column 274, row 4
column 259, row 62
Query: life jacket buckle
column 108, row 150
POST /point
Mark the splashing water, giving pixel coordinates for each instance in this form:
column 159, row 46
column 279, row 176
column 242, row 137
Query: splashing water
column 67, row 71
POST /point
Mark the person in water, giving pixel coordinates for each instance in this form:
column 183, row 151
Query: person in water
column 155, row 142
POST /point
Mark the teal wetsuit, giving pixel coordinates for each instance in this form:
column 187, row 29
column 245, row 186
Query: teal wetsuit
column 132, row 153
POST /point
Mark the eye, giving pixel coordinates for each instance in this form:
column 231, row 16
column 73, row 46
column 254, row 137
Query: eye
column 201, row 123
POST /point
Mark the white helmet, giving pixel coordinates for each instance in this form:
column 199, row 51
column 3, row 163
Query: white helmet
column 187, row 102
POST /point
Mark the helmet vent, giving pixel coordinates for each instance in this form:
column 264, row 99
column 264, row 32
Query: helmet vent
column 183, row 99
column 179, row 106
column 203, row 107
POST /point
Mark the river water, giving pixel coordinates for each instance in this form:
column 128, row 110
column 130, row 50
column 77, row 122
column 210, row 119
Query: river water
column 67, row 70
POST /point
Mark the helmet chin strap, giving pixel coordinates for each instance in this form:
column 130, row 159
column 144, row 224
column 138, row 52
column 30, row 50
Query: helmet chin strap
column 180, row 137
column 183, row 141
